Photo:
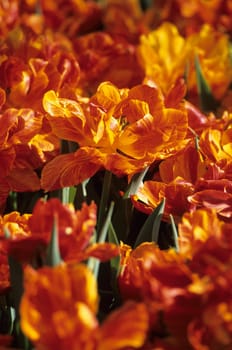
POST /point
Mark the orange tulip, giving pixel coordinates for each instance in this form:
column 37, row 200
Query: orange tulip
column 197, row 176
column 190, row 17
column 17, row 173
column 8, row 22
column 31, row 233
column 184, row 290
column 120, row 129
column 164, row 55
column 216, row 144
column 214, row 194
column 159, row 278
column 71, row 18
column 39, row 64
column 129, row 27
column 72, row 292
column 176, row 193
column 17, row 226
column 196, row 227
column 104, row 57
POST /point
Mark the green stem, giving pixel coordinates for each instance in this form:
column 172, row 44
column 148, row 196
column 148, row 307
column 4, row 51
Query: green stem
column 104, row 199
column 53, row 257
column 94, row 263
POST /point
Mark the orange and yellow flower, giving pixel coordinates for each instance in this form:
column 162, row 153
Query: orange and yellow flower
column 103, row 57
column 198, row 176
column 31, row 233
column 71, row 18
column 122, row 130
column 91, row 86
column 17, row 170
column 166, row 56
column 184, row 290
column 189, row 17
column 15, row 225
column 68, row 319
column 34, row 64
column 128, row 27
column 196, row 227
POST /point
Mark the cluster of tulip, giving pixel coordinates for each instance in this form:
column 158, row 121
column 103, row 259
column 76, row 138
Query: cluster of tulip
column 116, row 175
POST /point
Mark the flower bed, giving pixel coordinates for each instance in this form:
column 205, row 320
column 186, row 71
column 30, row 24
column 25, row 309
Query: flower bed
column 116, row 175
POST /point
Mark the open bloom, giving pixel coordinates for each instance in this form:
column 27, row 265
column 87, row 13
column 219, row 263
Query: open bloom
column 102, row 57
column 214, row 190
column 196, row 227
column 196, row 177
column 58, row 311
column 129, row 27
column 71, row 17
column 166, row 55
column 33, row 64
column 17, row 226
column 31, row 233
column 162, row 55
column 122, row 130
column 158, row 278
column 189, row 296
column 189, row 17
column 17, row 170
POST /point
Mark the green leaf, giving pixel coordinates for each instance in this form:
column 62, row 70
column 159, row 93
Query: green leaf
column 124, row 209
column 6, row 232
column 12, row 202
column 72, row 194
column 104, row 199
column 112, row 235
column 114, row 262
column 114, row 268
column 68, row 194
column 65, row 195
column 105, row 228
column 20, row 340
column 16, row 279
column 174, row 233
column 150, row 230
column 207, row 100
column 145, row 4
column 7, row 314
column 81, row 194
column 53, row 256
column 122, row 218
column 93, row 263
column 135, row 183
